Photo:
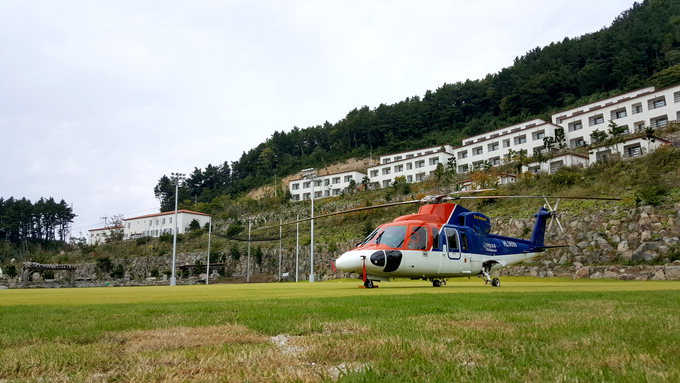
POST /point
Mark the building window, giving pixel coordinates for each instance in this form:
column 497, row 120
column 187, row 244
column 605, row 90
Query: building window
column 397, row 158
column 420, row 164
column 386, row 160
column 386, row 171
column 336, row 180
column 374, row 173
column 409, row 156
column 462, row 154
column 477, row 165
column 639, row 126
column 420, row 177
column 399, row 168
column 538, row 135
column 336, row 192
column 493, row 146
column 463, row 168
column 326, row 182
column 496, row 161
column 676, row 97
column 659, row 122
column 317, row 194
column 317, row 183
column 596, row 120
column 637, row 108
column 656, row 103
column 506, row 143
column 409, row 179
column 409, row 166
column 619, row 113
column 296, row 186
column 386, row 183
column 305, row 185
column 296, row 197
column 521, row 139
column 434, row 161
column 577, row 142
column 555, row 166
column 633, row 150
column 576, row 125
column 477, row 151
column 348, row 178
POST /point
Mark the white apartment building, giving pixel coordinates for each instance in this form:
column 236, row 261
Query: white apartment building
column 153, row 225
column 496, row 147
column 329, row 185
column 102, row 235
column 632, row 111
column 414, row 166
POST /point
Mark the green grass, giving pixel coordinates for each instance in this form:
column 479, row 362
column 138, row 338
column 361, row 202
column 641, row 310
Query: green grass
column 526, row 330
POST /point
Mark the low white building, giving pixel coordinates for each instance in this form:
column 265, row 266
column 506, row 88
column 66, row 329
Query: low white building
column 102, row 235
column 154, row 225
column 554, row 164
column 633, row 147
column 329, row 185
column 414, row 166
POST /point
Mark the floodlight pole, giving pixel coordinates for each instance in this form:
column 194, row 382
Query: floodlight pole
column 311, row 174
column 177, row 177
column 248, row 267
column 207, row 267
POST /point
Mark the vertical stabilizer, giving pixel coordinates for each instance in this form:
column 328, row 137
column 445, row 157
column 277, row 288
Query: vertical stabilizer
column 538, row 235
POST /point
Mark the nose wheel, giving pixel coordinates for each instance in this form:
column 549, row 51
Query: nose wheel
column 368, row 284
column 437, row 282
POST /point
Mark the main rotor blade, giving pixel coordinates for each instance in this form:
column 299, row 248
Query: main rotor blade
column 529, row 196
column 342, row 212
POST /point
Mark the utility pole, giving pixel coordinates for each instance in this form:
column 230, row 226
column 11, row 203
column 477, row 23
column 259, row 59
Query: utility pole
column 311, row 175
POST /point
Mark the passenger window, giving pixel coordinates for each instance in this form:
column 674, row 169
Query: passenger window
column 417, row 240
column 463, row 239
column 452, row 239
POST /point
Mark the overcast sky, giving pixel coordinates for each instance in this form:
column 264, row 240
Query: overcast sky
column 99, row 99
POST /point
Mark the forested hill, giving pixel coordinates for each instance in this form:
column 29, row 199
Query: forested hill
column 640, row 48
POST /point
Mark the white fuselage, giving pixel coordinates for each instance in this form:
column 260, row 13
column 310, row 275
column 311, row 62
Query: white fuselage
column 426, row 263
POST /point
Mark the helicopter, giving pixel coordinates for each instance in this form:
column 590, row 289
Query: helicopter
column 445, row 240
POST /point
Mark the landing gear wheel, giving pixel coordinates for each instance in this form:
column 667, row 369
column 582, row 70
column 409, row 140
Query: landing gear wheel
column 495, row 282
column 368, row 284
column 436, row 283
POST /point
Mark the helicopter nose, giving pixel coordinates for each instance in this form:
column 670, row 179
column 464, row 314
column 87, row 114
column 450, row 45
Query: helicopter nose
column 350, row 261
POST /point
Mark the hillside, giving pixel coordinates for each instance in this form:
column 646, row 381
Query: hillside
column 639, row 234
column 641, row 47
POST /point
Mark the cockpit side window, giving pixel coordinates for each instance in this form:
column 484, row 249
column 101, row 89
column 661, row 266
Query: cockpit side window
column 435, row 238
column 417, row 239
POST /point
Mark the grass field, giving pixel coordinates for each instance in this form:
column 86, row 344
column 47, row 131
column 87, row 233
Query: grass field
column 528, row 330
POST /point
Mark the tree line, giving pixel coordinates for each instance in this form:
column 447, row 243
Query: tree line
column 24, row 221
column 640, row 48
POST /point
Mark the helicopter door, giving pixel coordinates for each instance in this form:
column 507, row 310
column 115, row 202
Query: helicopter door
column 453, row 243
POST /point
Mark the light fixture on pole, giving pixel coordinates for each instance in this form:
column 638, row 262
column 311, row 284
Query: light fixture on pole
column 310, row 174
column 177, row 178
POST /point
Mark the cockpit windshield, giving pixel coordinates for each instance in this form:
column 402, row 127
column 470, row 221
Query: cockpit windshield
column 390, row 236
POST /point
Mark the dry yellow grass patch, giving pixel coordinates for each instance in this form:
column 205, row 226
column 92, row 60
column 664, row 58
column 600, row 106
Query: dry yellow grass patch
column 187, row 337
